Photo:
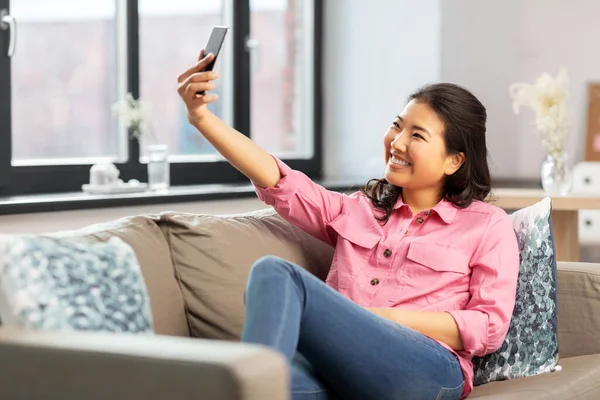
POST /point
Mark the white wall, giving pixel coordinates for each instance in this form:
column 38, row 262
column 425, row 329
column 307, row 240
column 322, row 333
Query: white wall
column 487, row 45
column 376, row 53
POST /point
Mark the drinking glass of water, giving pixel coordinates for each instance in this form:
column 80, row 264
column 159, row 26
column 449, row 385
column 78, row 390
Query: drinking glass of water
column 158, row 167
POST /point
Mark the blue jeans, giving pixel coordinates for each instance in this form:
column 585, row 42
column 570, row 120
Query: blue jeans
column 337, row 349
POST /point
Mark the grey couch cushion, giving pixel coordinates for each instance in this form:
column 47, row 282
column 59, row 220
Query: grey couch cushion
column 579, row 380
column 213, row 255
column 578, row 309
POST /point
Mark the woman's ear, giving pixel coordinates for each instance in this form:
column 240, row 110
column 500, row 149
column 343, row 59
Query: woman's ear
column 454, row 162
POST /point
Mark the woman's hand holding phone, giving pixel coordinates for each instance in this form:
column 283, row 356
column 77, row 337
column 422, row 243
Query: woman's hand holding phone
column 195, row 80
column 245, row 155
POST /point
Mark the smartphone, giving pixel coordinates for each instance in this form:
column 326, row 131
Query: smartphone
column 214, row 45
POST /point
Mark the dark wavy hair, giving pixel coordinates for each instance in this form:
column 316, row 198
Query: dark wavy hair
column 464, row 119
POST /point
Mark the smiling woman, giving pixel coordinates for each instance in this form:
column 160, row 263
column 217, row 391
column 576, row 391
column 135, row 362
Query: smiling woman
column 441, row 261
column 421, row 156
column 436, row 145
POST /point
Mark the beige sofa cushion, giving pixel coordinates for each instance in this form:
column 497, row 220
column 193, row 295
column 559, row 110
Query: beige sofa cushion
column 578, row 309
column 213, row 256
column 577, row 381
column 153, row 255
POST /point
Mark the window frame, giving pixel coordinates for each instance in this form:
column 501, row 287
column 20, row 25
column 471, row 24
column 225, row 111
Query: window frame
column 23, row 180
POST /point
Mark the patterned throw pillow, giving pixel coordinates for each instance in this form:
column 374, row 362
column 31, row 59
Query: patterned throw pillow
column 531, row 345
column 61, row 284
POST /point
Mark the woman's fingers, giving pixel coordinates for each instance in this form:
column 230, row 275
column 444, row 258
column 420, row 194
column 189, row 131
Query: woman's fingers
column 207, row 98
column 194, row 88
column 198, row 67
column 192, row 91
column 202, row 77
column 198, row 100
column 198, row 78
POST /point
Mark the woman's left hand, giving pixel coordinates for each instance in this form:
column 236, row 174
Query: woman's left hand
column 382, row 312
column 437, row 325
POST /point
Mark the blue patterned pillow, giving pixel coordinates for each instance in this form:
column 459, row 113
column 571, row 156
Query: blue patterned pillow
column 531, row 345
column 65, row 284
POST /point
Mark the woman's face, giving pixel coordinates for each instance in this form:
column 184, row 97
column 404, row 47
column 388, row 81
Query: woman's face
column 415, row 150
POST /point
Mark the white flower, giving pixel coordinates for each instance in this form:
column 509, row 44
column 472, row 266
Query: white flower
column 547, row 97
column 134, row 114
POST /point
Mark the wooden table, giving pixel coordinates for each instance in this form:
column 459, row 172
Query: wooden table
column 565, row 214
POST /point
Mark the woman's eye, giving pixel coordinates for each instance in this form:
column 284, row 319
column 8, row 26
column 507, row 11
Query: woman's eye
column 396, row 125
column 417, row 135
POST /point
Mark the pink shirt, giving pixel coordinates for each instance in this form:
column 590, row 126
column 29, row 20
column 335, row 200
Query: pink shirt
column 461, row 261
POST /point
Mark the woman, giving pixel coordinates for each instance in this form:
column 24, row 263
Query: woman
column 424, row 272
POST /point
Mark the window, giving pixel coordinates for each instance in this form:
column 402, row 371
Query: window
column 282, row 75
column 74, row 59
column 170, row 38
column 62, row 77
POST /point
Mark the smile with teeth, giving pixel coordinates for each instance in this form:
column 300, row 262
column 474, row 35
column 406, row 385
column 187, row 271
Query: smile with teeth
column 398, row 161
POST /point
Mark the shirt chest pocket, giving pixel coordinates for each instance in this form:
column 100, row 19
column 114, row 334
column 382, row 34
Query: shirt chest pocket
column 435, row 264
column 354, row 233
column 355, row 244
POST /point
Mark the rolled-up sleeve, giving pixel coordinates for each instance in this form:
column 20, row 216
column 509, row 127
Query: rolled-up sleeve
column 303, row 203
column 484, row 323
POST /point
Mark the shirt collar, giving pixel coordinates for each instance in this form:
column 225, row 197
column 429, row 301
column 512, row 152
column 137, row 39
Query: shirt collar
column 445, row 209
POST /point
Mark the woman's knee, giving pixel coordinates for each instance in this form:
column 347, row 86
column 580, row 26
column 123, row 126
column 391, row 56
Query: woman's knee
column 271, row 267
column 267, row 261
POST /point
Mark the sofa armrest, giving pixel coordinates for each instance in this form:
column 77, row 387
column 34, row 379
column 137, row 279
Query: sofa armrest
column 578, row 309
column 42, row 365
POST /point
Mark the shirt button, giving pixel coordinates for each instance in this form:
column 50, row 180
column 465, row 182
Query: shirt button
column 374, row 281
column 387, row 253
column 420, row 220
column 427, row 213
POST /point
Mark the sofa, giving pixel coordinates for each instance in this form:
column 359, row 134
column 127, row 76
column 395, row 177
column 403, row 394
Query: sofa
column 195, row 268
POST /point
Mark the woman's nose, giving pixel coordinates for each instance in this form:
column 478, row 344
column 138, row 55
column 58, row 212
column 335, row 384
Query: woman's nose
column 399, row 142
